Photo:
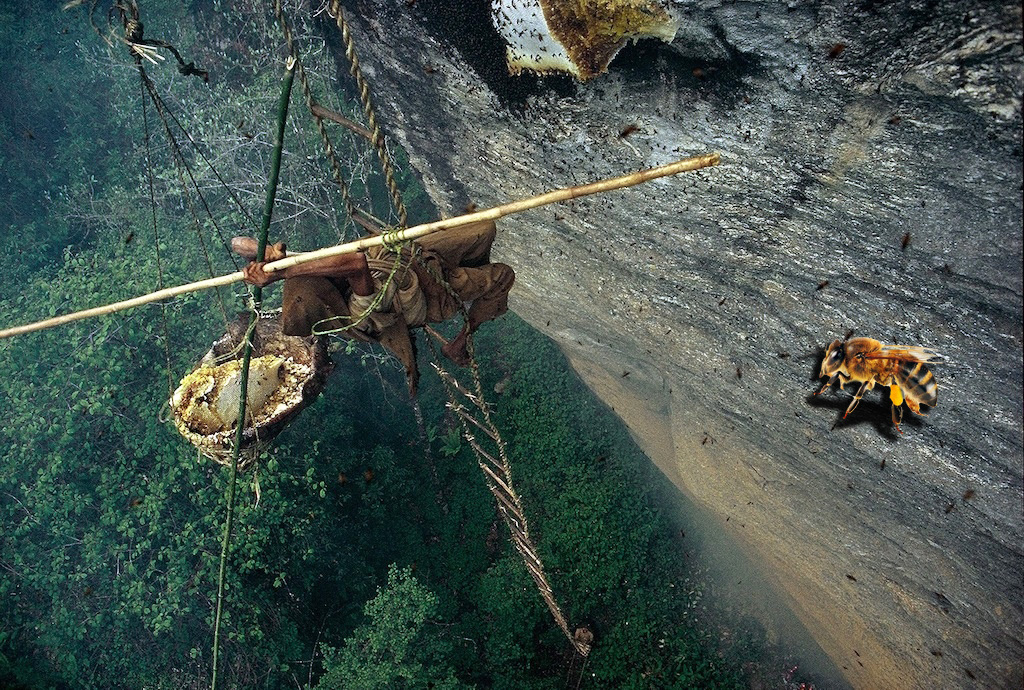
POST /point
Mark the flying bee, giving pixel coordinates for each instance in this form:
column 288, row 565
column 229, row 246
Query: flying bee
column 869, row 362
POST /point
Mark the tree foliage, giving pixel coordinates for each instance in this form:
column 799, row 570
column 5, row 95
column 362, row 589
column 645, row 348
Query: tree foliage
column 396, row 647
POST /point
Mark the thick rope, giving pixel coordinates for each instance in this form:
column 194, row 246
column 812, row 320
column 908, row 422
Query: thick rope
column 318, row 120
column 371, row 117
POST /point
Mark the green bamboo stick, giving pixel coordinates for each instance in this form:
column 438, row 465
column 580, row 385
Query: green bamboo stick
column 257, row 297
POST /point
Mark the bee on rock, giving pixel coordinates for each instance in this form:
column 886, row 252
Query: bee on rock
column 869, row 362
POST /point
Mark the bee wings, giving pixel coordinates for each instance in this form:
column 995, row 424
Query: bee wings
column 907, row 353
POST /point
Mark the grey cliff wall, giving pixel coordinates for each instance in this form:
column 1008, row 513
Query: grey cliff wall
column 705, row 287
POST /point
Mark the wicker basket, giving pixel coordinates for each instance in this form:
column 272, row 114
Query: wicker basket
column 286, row 374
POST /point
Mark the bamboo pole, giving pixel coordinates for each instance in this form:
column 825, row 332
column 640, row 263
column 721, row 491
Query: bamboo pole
column 496, row 212
column 268, row 209
column 166, row 293
column 565, row 194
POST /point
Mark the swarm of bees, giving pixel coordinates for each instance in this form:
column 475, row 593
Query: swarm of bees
column 869, row 362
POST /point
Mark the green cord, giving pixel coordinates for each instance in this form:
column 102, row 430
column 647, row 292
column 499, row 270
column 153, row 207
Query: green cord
column 257, row 297
column 377, row 299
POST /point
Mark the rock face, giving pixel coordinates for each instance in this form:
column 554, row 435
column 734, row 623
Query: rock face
column 871, row 180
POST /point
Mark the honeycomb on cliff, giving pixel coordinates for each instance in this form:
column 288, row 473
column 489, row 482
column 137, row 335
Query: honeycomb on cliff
column 578, row 37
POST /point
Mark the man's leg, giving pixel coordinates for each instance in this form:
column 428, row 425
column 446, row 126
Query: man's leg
column 487, row 289
column 469, row 245
column 309, row 302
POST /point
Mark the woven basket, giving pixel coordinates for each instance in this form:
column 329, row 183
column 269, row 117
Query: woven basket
column 287, row 373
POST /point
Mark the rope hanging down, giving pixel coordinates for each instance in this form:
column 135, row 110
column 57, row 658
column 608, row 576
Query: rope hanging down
column 475, row 417
column 318, row 120
column 182, row 168
column 156, row 232
column 374, row 134
column 377, row 138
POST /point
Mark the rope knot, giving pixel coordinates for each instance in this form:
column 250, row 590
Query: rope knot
column 133, row 30
column 393, row 242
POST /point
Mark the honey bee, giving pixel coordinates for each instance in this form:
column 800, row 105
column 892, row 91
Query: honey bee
column 869, row 362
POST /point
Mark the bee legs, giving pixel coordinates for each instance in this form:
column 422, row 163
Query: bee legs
column 897, row 417
column 896, row 395
column 827, row 384
column 856, row 398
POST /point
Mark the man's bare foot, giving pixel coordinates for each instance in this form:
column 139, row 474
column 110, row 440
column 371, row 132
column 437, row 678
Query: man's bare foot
column 456, row 350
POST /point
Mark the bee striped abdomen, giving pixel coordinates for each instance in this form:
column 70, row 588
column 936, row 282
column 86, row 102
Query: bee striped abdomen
column 918, row 384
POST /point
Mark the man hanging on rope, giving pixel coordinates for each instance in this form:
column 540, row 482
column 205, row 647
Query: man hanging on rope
column 377, row 296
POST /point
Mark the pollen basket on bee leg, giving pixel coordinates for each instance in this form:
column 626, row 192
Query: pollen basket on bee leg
column 896, row 395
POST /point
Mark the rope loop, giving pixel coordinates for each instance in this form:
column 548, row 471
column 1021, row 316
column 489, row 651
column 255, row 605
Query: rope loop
column 392, row 242
column 378, row 299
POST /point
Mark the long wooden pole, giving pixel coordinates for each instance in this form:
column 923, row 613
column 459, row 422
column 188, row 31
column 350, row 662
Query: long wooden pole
column 496, row 212
column 268, row 210
column 685, row 165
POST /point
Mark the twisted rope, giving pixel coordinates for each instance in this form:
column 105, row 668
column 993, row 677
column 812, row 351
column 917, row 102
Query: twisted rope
column 377, row 137
column 318, row 120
